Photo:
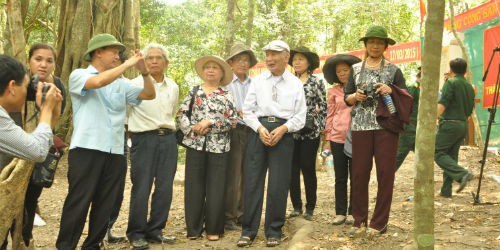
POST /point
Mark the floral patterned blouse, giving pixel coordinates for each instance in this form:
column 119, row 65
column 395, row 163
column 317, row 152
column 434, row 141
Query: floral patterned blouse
column 364, row 115
column 315, row 93
column 217, row 107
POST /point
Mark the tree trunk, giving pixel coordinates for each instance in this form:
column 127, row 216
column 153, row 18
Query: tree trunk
column 251, row 11
column 229, row 37
column 13, row 183
column 423, row 234
column 81, row 20
column 477, row 130
column 14, row 177
column 17, row 43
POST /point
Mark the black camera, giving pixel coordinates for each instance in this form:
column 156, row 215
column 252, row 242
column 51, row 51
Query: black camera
column 370, row 93
column 32, row 86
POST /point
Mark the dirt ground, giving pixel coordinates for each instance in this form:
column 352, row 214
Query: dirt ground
column 459, row 224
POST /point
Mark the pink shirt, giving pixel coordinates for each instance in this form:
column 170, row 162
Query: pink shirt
column 338, row 117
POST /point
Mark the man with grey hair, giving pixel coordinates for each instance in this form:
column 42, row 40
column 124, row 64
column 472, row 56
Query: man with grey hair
column 153, row 155
column 274, row 107
column 241, row 60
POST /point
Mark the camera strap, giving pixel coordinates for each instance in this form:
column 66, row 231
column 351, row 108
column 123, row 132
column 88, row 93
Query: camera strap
column 362, row 77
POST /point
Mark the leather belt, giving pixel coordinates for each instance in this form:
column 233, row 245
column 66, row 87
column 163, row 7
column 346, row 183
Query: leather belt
column 160, row 131
column 271, row 119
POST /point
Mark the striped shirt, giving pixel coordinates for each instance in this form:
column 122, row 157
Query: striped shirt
column 239, row 91
column 15, row 142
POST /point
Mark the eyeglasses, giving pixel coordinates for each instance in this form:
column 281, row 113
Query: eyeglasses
column 275, row 93
column 242, row 61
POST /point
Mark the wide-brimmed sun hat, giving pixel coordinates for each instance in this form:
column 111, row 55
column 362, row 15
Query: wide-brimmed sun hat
column 329, row 68
column 312, row 57
column 100, row 41
column 240, row 48
column 277, row 45
column 377, row 31
column 228, row 73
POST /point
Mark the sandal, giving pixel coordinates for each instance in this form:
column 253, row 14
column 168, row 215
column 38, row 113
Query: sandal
column 213, row 237
column 272, row 242
column 244, row 241
column 194, row 237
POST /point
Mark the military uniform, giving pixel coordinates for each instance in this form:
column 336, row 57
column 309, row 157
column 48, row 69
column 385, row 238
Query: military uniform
column 458, row 98
column 407, row 138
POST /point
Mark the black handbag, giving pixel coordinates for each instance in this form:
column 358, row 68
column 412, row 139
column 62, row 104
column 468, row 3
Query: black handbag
column 309, row 125
column 44, row 172
column 179, row 135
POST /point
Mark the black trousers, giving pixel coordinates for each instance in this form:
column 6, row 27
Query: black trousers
column 30, row 202
column 153, row 160
column 94, row 182
column 342, row 165
column 304, row 160
column 259, row 158
column 205, row 181
column 119, row 198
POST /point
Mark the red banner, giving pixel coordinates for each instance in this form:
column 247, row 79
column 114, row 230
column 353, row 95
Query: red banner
column 475, row 16
column 491, row 41
column 397, row 54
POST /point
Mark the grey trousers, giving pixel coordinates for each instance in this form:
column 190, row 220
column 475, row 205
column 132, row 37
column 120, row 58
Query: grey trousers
column 234, row 174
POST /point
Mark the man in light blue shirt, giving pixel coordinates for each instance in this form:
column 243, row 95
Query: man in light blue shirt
column 274, row 107
column 96, row 162
column 241, row 60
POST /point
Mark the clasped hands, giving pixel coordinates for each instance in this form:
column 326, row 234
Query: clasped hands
column 201, row 128
column 271, row 138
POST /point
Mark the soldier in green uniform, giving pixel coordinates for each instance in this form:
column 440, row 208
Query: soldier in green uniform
column 454, row 108
column 407, row 138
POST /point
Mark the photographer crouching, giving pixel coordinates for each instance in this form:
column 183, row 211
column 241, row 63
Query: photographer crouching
column 15, row 142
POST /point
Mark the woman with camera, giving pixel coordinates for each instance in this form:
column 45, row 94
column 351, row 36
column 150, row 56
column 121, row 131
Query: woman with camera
column 41, row 63
column 369, row 79
column 306, row 141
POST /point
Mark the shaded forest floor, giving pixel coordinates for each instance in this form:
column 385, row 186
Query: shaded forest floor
column 459, row 224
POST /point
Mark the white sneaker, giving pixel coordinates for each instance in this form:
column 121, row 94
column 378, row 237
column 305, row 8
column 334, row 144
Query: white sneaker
column 349, row 220
column 338, row 220
column 38, row 221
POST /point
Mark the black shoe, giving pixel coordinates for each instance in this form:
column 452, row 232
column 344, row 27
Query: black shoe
column 296, row 212
column 308, row 215
column 161, row 239
column 114, row 239
column 231, row 226
column 463, row 182
column 139, row 244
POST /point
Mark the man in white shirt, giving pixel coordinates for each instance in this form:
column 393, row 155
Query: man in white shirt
column 241, row 60
column 274, row 107
column 153, row 155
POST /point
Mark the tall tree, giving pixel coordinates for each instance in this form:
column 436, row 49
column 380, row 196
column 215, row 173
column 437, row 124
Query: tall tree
column 468, row 75
column 14, row 177
column 230, row 27
column 423, row 234
column 249, row 26
column 81, row 20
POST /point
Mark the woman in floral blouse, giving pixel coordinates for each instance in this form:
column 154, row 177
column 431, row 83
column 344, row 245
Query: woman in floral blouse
column 307, row 140
column 207, row 140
